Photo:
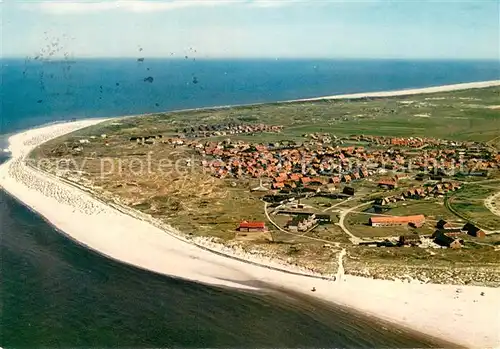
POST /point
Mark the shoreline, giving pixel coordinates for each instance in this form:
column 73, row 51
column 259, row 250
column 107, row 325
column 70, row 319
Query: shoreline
column 137, row 241
column 408, row 92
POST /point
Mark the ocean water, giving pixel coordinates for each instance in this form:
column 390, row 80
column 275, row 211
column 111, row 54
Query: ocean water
column 33, row 93
column 56, row 293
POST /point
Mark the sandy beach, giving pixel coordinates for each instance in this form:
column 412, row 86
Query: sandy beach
column 409, row 92
column 459, row 314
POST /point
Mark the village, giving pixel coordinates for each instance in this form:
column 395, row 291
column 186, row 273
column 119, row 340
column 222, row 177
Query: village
column 379, row 173
column 302, row 182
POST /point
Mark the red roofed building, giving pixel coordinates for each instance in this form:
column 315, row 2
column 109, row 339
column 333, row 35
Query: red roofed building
column 305, row 180
column 335, row 180
column 278, row 185
column 388, row 221
column 252, row 226
column 346, row 178
column 388, row 183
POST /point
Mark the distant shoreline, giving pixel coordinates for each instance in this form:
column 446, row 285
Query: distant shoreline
column 408, row 92
column 360, row 95
column 353, row 96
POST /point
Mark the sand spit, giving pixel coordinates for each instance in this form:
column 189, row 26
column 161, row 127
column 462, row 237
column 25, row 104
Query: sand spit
column 467, row 315
column 409, row 92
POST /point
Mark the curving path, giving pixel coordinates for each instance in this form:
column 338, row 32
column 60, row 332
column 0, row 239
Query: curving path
column 492, row 203
column 354, row 239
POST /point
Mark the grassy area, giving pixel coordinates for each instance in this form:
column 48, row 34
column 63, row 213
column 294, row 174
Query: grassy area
column 469, row 203
column 460, row 115
column 357, row 223
column 417, row 256
column 432, row 209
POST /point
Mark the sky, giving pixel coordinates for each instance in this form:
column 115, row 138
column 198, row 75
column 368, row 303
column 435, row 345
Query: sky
column 403, row 29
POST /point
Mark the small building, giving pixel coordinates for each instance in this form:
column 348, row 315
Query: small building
column 446, row 241
column 409, row 240
column 442, row 224
column 335, row 180
column 251, row 226
column 388, row 183
column 479, row 173
column 452, row 232
column 472, row 230
column 323, row 218
column 387, row 221
column 348, row 191
column 301, row 222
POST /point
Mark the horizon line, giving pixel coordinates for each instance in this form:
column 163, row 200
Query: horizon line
column 190, row 58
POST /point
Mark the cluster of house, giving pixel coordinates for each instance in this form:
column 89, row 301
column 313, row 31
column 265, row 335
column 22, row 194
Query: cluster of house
column 437, row 190
column 449, row 161
column 146, row 139
column 417, row 142
column 324, row 138
column 453, row 231
column 438, row 238
column 288, row 167
column 301, row 222
column 328, row 184
column 391, row 182
column 225, row 129
column 446, row 235
column 412, row 142
column 292, row 166
column 304, row 221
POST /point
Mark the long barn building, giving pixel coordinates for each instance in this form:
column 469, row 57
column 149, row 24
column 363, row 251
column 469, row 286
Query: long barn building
column 387, row 221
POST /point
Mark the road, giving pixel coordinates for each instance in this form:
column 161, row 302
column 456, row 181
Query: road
column 290, row 233
column 354, row 239
column 337, row 204
column 492, row 203
column 343, row 213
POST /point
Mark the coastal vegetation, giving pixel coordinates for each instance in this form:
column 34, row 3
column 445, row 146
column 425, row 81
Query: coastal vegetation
column 155, row 164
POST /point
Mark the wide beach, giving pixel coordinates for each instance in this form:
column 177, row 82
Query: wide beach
column 437, row 310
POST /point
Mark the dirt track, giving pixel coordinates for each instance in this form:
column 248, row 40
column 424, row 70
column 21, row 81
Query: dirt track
column 492, row 203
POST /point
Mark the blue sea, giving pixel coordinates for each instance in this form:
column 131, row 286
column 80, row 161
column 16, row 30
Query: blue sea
column 58, row 294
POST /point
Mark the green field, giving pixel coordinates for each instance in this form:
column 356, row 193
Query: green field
column 460, row 115
column 469, row 204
